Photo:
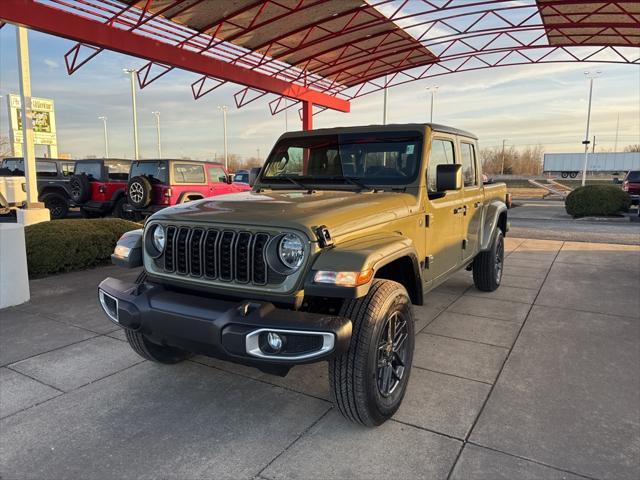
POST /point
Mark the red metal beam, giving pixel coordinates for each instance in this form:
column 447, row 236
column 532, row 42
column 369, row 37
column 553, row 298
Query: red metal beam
column 63, row 24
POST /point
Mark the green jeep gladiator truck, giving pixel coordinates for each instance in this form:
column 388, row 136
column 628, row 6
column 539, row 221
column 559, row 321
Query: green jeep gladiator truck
column 345, row 229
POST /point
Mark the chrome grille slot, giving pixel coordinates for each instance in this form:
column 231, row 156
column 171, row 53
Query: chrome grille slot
column 258, row 259
column 210, row 257
column 181, row 251
column 242, row 257
column 225, row 252
column 195, row 249
column 169, row 257
column 223, row 255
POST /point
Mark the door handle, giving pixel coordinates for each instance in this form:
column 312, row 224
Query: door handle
column 464, row 210
column 477, row 204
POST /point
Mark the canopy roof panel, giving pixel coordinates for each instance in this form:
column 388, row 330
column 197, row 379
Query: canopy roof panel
column 330, row 39
column 591, row 23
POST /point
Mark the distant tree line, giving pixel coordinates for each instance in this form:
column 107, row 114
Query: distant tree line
column 512, row 161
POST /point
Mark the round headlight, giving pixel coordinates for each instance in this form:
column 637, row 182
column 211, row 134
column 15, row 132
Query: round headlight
column 291, row 251
column 158, row 238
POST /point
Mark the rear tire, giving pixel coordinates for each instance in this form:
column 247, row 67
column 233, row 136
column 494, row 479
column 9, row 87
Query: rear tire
column 139, row 192
column 80, row 188
column 565, row 174
column 369, row 380
column 488, row 266
column 118, row 208
column 57, row 205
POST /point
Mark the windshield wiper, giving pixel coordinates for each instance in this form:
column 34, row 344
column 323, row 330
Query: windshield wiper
column 354, row 181
column 292, row 180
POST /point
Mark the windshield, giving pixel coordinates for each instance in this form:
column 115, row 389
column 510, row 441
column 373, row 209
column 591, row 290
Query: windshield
column 378, row 158
column 633, row 176
column 156, row 172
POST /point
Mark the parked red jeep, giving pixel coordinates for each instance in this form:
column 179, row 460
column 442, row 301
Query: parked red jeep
column 156, row 184
column 631, row 185
column 98, row 186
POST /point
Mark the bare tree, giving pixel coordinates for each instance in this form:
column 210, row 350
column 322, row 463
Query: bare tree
column 527, row 161
column 632, row 148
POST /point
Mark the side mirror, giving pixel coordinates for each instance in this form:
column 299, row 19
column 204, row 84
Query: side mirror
column 229, row 179
column 448, row 177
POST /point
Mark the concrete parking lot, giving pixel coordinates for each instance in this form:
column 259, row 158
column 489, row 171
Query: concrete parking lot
column 539, row 379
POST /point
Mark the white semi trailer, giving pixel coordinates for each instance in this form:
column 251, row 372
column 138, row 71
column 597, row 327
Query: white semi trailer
column 570, row 164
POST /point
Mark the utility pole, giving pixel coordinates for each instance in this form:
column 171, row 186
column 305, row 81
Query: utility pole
column 224, row 109
column 132, row 72
column 286, row 116
column 384, row 102
column 590, row 76
column 433, row 89
column 504, row 141
column 106, row 137
column 615, row 145
column 157, row 115
column 593, row 145
column 258, row 150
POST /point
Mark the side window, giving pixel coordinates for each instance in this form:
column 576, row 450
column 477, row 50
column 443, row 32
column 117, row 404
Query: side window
column 67, row 168
column 441, row 154
column 46, row 169
column 117, row 171
column 184, row 173
column 216, row 175
column 468, row 153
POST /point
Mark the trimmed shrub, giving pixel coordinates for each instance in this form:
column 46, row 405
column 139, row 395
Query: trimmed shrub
column 597, row 200
column 65, row 245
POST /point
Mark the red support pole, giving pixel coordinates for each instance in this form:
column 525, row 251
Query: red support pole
column 307, row 115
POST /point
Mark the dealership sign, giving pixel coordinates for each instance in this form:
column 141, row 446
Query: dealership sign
column 44, row 124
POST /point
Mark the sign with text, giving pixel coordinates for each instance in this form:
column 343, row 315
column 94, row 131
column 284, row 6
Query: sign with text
column 44, row 124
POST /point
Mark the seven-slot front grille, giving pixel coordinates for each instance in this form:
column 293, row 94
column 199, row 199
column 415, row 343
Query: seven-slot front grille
column 217, row 254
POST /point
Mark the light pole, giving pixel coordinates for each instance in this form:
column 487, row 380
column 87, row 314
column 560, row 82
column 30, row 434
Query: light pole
column 384, row 106
column 433, row 89
column 132, row 72
column 590, row 76
column 106, row 137
column 224, row 109
column 157, row 115
column 504, row 141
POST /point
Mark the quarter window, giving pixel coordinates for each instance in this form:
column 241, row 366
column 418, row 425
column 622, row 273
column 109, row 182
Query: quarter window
column 468, row 153
column 442, row 153
column 184, row 173
column 46, row 169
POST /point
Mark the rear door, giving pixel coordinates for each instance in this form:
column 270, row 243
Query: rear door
column 473, row 199
column 444, row 231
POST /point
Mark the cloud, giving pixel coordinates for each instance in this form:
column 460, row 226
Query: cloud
column 51, row 63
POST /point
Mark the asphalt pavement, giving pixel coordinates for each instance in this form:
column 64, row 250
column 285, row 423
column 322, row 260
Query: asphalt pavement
column 548, row 220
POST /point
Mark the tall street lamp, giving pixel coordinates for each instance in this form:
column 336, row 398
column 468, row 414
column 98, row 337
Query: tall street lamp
column 433, row 89
column 590, row 76
column 385, row 100
column 132, row 73
column 224, row 109
column 106, row 137
column 157, row 115
column 504, row 142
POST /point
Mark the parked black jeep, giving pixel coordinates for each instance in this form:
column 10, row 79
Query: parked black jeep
column 53, row 182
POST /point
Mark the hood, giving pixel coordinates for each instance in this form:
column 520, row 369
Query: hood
column 341, row 211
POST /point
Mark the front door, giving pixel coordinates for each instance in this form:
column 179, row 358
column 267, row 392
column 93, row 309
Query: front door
column 445, row 211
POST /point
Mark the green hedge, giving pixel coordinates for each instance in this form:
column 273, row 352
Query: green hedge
column 597, row 200
column 65, row 245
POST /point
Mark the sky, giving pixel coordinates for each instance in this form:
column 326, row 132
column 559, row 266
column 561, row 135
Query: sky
column 523, row 105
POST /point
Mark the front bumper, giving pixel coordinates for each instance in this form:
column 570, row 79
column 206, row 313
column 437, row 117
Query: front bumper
column 146, row 211
column 223, row 329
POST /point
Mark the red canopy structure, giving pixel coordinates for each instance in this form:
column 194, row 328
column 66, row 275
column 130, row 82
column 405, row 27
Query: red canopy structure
column 328, row 52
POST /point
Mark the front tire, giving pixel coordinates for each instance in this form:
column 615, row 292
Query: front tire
column 488, row 266
column 369, row 381
column 57, row 205
column 152, row 351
